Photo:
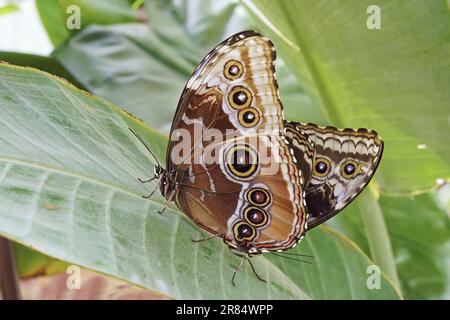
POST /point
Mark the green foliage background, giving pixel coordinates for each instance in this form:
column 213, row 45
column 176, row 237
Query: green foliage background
column 68, row 165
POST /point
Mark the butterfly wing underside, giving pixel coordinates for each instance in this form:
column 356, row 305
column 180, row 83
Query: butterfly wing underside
column 251, row 194
column 344, row 162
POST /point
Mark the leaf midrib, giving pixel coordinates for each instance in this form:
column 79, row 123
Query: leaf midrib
column 72, row 174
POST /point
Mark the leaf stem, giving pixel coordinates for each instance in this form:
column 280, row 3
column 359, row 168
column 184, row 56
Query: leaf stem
column 377, row 235
column 8, row 273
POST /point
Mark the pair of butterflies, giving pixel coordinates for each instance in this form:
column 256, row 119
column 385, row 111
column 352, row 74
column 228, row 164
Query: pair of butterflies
column 319, row 169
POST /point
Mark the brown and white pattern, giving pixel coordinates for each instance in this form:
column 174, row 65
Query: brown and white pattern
column 344, row 162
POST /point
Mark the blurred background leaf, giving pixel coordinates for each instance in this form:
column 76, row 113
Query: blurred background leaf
column 54, row 15
column 93, row 286
column 48, row 64
column 9, row 7
column 32, row 263
column 128, row 63
column 419, row 229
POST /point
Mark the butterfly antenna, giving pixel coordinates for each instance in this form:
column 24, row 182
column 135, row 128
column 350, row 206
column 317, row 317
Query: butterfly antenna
column 208, row 238
column 146, row 147
column 290, row 258
column 296, row 254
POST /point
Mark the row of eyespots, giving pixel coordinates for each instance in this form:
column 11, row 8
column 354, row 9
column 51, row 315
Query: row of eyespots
column 254, row 216
column 240, row 98
column 349, row 168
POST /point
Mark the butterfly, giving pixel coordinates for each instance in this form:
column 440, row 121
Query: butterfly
column 243, row 173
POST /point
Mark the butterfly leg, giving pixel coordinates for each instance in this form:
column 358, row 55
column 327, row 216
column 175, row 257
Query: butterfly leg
column 237, row 270
column 154, row 190
column 169, row 198
column 146, row 181
column 253, row 269
column 164, row 208
column 243, row 257
column 151, row 194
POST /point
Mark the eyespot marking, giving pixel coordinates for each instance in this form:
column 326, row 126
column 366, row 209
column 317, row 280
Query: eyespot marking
column 255, row 216
column 243, row 231
column 248, row 117
column 233, row 70
column 239, row 98
column 350, row 169
column 321, row 167
column 259, row 197
column 241, row 161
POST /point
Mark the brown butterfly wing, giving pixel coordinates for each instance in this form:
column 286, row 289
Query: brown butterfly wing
column 234, row 88
column 205, row 104
column 344, row 162
column 219, row 201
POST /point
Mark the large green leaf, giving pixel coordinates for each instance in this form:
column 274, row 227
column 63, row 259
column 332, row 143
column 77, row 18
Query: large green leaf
column 48, row 64
column 394, row 80
column 341, row 264
column 68, row 188
column 31, row 263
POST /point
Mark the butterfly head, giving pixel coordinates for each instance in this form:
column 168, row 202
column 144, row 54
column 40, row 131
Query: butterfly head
column 158, row 171
column 167, row 182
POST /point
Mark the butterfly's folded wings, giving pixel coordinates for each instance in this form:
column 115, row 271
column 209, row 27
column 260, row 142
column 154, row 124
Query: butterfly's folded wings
column 232, row 98
column 344, row 162
column 229, row 129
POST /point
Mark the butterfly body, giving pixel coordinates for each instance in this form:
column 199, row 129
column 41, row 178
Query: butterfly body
column 241, row 172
